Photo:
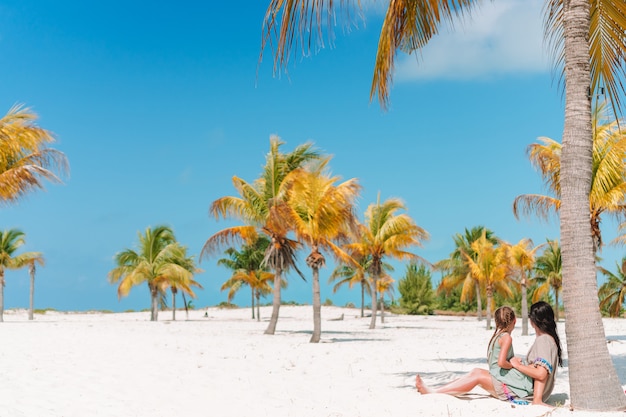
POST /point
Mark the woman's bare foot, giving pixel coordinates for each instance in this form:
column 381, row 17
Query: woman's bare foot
column 419, row 384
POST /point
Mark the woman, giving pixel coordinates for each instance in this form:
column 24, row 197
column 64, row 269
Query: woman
column 541, row 362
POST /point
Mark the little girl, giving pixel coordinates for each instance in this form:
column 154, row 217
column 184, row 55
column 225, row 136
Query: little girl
column 501, row 381
column 508, row 383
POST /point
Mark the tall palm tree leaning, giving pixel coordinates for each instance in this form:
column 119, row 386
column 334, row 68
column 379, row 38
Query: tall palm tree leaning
column 592, row 52
column 323, row 214
column 157, row 261
column 10, row 241
column 262, row 207
column 25, row 159
column 32, row 269
column 385, row 233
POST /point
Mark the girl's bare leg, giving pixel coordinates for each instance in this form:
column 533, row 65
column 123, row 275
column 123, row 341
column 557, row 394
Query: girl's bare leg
column 462, row 385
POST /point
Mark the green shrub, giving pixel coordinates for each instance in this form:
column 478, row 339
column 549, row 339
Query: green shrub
column 226, row 304
column 416, row 290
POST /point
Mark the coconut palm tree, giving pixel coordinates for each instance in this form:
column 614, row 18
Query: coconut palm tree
column 323, row 215
column 351, row 275
column 25, row 159
column 608, row 188
column 32, row 269
column 522, row 261
column 154, row 263
column 385, row 233
column 490, row 266
column 10, row 241
column 263, row 208
column 182, row 282
column 457, row 271
column 248, row 269
column 548, row 272
column 587, row 39
column 384, row 285
column 613, row 291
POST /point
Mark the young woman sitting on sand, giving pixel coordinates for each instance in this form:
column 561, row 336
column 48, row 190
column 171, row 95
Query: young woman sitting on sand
column 508, row 377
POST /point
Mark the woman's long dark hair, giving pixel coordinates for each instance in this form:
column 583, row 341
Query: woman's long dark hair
column 542, row 315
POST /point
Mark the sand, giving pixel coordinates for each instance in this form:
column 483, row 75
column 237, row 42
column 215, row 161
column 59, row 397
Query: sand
column 121, row 364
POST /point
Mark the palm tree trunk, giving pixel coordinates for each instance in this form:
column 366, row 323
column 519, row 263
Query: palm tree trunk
column 374, row 303
column 362, row 299
column 31, row 304
column 524, row 307
column 252, row 294
column 594, row 384
column 186, row 306
column 489, row 306
column 271, row 328
column 1, row 294
column 258, row 306
column 479, row 303
column 382, row 308
column 556, row 305
column 317, row 307
column 154, row 310
column 173, row 305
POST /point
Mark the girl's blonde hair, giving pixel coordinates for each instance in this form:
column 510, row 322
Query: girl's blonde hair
column 503, row 317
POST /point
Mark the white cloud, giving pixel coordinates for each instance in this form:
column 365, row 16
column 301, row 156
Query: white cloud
column 500, row 37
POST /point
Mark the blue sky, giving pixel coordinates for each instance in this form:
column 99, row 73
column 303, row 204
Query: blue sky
column 158, row 104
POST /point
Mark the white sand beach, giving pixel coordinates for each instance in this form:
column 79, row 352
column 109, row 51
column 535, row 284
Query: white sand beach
column 123, row 365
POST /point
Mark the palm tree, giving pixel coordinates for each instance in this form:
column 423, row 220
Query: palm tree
column 155, row 263
column 385, row 233
column 522, row 260
column 25, row 161
column 490, row 266
column 588, row 40
column 384, row 285
column 548, row 272
column 608, row 188
column 613, row 291
column 10, row 241
column 182, row 282
column 248, row 269
column 263, row 209
column 457, row 271
column 351, row 275
column 32, row 269
column 323, row 214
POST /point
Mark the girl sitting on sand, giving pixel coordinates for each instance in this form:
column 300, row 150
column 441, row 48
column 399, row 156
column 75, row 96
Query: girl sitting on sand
column 508, row 378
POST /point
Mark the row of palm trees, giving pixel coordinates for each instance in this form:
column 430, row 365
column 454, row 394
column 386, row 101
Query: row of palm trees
column 162, row 263
column 297, row 202
column 297, row 197
column 483, row 264
column 25, row 162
